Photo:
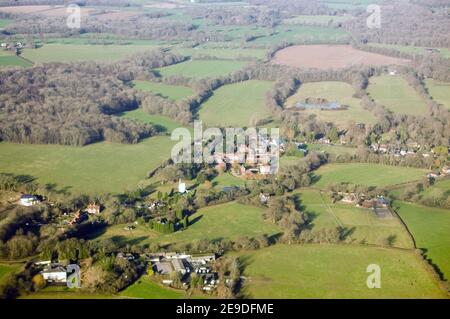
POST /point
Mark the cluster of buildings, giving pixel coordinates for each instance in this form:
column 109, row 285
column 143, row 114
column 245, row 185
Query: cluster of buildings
column 12, row 46
column 411, row 149
column 379, row 204
column 445, row 171
column 258, row 158
column 165, row 264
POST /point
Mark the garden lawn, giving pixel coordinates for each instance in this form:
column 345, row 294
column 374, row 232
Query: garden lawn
column 397, row 95
column 237, row 105
column 367, row 174
column 335, row 271
column 145, row 288
column 431, row 230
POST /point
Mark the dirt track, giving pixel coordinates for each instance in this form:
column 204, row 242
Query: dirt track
column 331, row 57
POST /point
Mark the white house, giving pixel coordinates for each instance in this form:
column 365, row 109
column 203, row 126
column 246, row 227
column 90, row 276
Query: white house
column 55, row 274
column 28, row 200
column 265, row 169
column 181, row 187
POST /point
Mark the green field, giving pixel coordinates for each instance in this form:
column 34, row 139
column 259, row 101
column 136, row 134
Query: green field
column 5, row 22
column 431, row 230
column 199, row 69
column 439, row 91
column 144, row 288
column 92, row 169
column 349, row 4
column 322, row 271
column 78, row 53
column 332, row 91
column 221, row 53
column 8, row 59
column 396, row 94
column 367, row 174
column 363, row 224
column 173, row 92
column 298, row 34
column 441, row 184
column 317, row 19
column 6, row 269
column 230, row 221
column 410, row 49
column 162, row 123
column 332, row 149
column 227, row 179
column 239, row 104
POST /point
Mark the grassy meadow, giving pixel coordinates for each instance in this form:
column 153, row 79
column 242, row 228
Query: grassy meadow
column 239, row 104
column 336, row 150
column 363, row 225
column 160, row 122
column 300, row 34
column 333, row 91
column 92, row 169
column 439, row 91
column 173, row 92
column 431, row 230
column 6, row 269
column 324, row 20
column 199, row 69
column 367, row 174
column 12, row 60
column 221, row 53
column 61, row 292
column 230, row 221
column 81, row 52
column 413, row 50
column 396, row 94
column 145, row 288
column 328, row 271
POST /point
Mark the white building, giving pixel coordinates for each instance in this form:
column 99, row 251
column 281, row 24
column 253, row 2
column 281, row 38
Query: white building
column 55, row 274
column 28, row 200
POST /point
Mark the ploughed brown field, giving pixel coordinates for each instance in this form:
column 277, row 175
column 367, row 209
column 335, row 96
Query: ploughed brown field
column 331, row 57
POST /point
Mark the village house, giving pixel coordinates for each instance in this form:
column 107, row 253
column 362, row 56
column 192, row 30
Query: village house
column 349, row 198
column 264, row 198
column 54, row 273
column 445, row 170
column 28, row 200
column 265, row 169
column 93, row 209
